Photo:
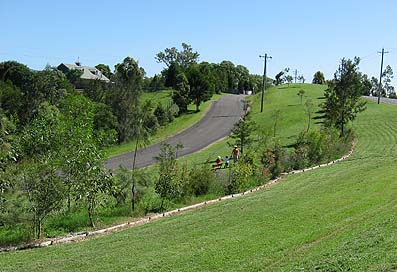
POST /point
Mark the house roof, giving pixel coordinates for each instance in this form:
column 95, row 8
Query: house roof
column 88, row 72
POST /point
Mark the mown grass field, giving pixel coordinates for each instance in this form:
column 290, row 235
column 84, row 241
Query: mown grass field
column 337, row 218
column 183, row 122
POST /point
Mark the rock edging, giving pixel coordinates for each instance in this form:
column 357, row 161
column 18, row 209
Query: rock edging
column 84, row 235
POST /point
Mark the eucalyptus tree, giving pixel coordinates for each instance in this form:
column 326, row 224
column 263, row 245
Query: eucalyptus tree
column 183, row 58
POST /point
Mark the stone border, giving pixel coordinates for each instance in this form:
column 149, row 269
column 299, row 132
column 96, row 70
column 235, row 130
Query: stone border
column 76, row 237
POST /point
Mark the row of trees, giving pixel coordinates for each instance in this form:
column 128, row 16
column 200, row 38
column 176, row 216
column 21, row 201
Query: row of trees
column 195, row 82
column 367, row 86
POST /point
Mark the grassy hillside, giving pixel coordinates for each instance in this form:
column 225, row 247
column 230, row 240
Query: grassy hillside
column 338, row 218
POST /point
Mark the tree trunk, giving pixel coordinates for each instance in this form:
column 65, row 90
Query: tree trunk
column 133, row 180
column 38, row 228
column 90, row 213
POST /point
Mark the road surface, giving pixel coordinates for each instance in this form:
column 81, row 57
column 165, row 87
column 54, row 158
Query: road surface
column 216, row 124
column 382, row 99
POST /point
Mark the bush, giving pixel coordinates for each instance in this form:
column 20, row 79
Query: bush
column 161, row 115
column 240, row 179
column 68, row 222
column 320, row 146
column 272, row 159
column 150, row 202
column 13, row 235
column 199, row 181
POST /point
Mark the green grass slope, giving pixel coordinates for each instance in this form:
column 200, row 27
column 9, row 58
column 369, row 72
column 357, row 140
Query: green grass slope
column 337, row 218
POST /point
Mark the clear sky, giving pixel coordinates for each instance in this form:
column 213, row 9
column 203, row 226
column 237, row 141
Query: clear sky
column 305, row 35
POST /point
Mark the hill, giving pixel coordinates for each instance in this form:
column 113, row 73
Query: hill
column 338, row 218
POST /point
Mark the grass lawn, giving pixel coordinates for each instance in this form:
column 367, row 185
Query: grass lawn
column 292, row 118
column 183, row 122
column 337, row 218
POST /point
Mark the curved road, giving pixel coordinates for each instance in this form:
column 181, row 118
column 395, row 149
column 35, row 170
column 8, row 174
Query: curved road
column 382, row 99
column 216, row 124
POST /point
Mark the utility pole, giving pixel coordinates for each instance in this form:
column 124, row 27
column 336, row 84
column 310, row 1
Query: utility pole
column 265, row 57
column 381, row 72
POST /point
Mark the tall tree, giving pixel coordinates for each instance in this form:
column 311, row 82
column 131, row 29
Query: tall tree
column 171, row 74
column 183, row 58
column 181, row 94
column 201, row 88
column 124, row 98
column 42, row 142
column 343, row 95
column 242, row 132
column 387, row 77
column 168, row 185
column 318, row 78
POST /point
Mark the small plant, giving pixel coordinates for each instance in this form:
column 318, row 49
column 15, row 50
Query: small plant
column 301, row 93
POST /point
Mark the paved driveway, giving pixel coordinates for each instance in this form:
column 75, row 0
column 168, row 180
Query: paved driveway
column 216, row 124
column 382, row 99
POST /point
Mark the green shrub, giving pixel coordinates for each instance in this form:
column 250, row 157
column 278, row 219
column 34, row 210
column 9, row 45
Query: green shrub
column 66, row 223
column 14, row 235
column 272, row 159
column 241, row 177
column 199, row 181
column 161, row 115
column 150, row 202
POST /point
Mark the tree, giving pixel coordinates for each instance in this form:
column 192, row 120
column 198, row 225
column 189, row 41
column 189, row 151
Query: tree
column 161, row 114
column 366, row 85
column 141, row 134
column 183, row 58
column 171, row 74
column 104, row 125
column 318, row 78
column 93, row 179
column 168, row 185
column 105, row 70
column 279, row 78
column 181, row 94
column 387, row 77
column 301, row 78
column 309, row 109
column 9, row 154
column 44, row 190
column 343, row 95
column 201, row 88
column 242, row 78
column 41, row 143
column 276, row 117
column 124, row 98
column 242, row 132
column 231, row 75
column 301, row 93
column 289, row 79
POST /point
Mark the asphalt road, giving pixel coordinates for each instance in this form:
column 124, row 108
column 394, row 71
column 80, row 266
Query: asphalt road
column 382, row 99
column 216, row 124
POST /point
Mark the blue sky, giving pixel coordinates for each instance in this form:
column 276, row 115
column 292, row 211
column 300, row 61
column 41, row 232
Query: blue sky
column 304, row 35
